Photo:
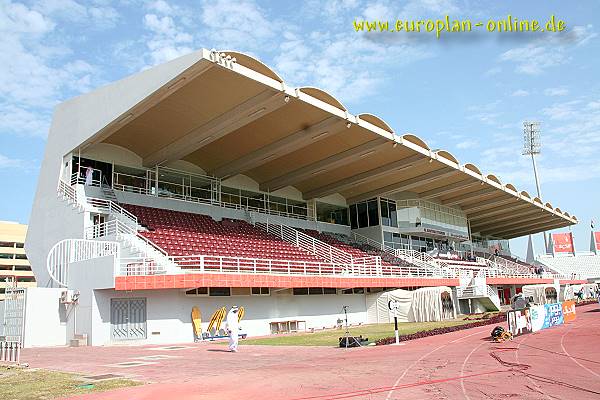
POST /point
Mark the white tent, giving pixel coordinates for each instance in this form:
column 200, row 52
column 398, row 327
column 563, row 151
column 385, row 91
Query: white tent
column 539, row 294
column 421, row 305
column 567, row 293
column 589, row 290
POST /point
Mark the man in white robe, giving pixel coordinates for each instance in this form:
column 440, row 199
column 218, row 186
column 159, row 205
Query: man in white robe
column 233, row 328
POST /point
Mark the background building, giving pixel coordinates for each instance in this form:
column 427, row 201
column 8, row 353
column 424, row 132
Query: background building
column 13, row 261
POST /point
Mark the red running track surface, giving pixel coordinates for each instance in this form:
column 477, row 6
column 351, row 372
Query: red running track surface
column 561, row 362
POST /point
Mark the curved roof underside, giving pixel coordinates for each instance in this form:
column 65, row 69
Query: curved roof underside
column 230, row 114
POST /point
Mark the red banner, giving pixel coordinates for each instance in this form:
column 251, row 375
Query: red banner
column 563, row 242
column 597, row 240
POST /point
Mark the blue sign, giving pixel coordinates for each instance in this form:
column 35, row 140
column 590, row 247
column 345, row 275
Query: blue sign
column 554, row 315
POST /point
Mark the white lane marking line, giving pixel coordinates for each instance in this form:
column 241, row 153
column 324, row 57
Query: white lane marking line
column 462, row 370
column 562, row 338
column 389, row 395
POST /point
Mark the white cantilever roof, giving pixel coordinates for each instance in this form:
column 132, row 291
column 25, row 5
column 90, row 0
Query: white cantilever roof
column 230, row 114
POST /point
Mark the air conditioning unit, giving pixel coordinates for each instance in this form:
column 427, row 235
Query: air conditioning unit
column 69, row 297
column 65, row 297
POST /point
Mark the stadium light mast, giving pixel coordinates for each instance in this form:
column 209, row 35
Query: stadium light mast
column 532, row 146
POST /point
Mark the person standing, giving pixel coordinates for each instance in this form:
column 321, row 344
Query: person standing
column 89, row 174
column 233, row 328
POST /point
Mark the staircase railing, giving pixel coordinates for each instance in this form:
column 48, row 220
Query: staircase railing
column 474, row 291
column 107, row 206
column 110, row 207
column 67, row 191
column 371, row 242
column 493, row 296
column 116, row 227
column 306, row 242
column 69, row 251
column 423, row 259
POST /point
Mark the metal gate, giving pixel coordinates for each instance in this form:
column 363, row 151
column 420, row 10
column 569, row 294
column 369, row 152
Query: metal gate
column 128, row 319
column 13, row 322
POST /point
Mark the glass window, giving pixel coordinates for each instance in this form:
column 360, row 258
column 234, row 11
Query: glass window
column 6, row 256
column 385, row 213
column 201, row 291
column 260, row 291
column 373, row 213
column 317, row 290
column 300, row 291
column 20, row 256
column 328, row 290
column 332, row 213
column 363, row 217
column 353, row 217
column 6, row 244
column 393, row 214
column 388, row 236
column 220, row 291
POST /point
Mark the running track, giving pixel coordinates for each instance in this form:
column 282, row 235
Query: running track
column 558, row 363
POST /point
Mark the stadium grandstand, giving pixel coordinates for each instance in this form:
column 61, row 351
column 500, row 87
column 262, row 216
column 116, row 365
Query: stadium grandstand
column 207, row 181
column 562, row 257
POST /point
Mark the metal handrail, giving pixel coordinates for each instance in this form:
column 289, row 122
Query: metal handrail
column 237, row 265
column 306, row 242
column 116, row 227
column 67, row 190
column 68, row 251
column 112, row 208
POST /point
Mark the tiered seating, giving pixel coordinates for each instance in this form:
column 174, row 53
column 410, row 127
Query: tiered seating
column 358, row 250
column 522, row 263
column 183, row 234
column 332, row 241
column 586, row 265
column 461, row 263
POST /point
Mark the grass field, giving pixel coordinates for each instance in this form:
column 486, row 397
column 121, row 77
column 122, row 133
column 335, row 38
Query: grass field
column 330, row 337
column 23, row 383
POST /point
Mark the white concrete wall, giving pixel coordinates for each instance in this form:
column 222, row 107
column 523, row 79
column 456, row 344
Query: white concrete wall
column 45, row 318
column 2, row 317
column 75, row 122
column 111, row 153
column 169, row 312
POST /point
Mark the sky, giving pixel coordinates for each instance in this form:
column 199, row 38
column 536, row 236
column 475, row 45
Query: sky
column 467, row 93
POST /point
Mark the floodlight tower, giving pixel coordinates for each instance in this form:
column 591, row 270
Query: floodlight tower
column 532, row 146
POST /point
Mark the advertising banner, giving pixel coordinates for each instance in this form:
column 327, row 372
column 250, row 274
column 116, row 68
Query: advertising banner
column 538, row 314
column 554, row 315
column 519, row 321
column 563, row 242
column 597, row 240
column 568, row 308
column 540, row 317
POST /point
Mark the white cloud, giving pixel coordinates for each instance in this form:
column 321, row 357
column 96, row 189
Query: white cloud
column 561, row 111
column 7, row 162
column 467, row 144
column 161, row 7
column 241, row 25
column 94, row 14
column 549, row 50
column 557, row 91
column 532, row 60
column 336, row 62
column 492, row 71
column 520, row 93
column 35, row 72
column 570, row 146
column 486, row 113
column 167, row 40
